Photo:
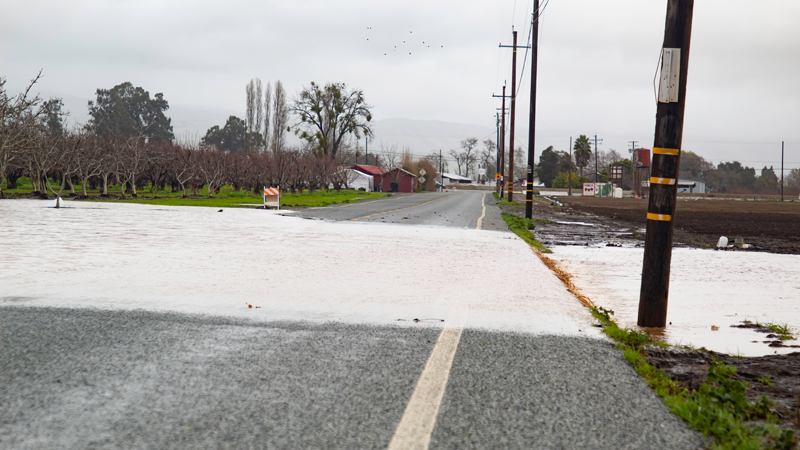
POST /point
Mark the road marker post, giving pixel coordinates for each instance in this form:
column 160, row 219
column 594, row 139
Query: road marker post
column 270, row 194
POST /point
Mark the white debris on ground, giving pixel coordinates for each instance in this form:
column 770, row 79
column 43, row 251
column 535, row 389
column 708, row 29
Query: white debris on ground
column 194, row 260
column 708, row 288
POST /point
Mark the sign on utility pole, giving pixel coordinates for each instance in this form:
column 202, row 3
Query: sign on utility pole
column 665, row 164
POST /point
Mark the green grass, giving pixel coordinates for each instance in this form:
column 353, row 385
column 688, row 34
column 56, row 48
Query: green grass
column 508, row 203
column 226, row 197
column 719, row 408
column 522, row 227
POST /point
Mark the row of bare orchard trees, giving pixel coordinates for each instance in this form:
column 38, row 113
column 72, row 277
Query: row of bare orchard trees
column 78, row 160
column 34, row 142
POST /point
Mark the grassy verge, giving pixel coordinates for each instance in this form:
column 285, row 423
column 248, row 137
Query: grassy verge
column 226, row 197
column 719, row 408
column 523, row 227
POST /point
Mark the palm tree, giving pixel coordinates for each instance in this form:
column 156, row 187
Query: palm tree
column 583, row 152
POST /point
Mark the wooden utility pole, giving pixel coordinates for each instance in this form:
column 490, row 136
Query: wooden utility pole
column 532, row 115
column 781, row 171
column 569, row 183
column 510, row 178
column 501, row 168
column 666, row 164
column 497, row 154
column 596, row 173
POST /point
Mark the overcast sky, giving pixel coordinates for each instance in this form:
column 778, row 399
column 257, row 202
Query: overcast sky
column 597, row 61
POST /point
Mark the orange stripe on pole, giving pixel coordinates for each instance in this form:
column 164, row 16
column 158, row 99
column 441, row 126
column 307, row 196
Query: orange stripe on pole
column 659, row 217
column 666, row 151
column 656, row 180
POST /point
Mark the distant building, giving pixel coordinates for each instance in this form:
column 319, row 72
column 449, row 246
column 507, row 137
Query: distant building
column 451, row 178
column 398, row 180
column 375, row 172
column 686, row 186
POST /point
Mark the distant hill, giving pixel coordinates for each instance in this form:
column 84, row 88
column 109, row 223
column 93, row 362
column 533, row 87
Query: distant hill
column 420, row 136
column 425, row 136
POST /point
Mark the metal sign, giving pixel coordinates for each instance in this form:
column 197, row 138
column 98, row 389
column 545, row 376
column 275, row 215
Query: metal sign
column 422, row 172
column 670, row 75
column 422, row 179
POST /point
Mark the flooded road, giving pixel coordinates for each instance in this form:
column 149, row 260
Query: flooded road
column 199, row 260
column 707, row 288
column 163, row 327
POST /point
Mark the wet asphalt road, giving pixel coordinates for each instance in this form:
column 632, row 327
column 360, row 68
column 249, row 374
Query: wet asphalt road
column 86, row 379
column 460, row 209
column 89, row 378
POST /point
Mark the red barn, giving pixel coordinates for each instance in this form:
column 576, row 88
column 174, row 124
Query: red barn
column 376, row 172
column 398, row 180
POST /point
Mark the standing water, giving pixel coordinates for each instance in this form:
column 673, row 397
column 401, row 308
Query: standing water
column 709, row 292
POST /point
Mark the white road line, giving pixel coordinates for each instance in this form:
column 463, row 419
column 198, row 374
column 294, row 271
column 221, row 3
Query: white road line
column 416, row 426
column 480, row 219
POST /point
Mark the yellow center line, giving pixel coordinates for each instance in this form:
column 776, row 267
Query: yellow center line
column 416, row 426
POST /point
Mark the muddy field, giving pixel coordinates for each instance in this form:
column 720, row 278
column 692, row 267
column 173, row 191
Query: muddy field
column 767, row 226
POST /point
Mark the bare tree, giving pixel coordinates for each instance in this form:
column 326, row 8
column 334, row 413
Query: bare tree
column 252, row 103
column 469, row 153
column 183, row 165
column 18, row 116
column 89, row 158
column 280, row 118
column 129, row 157
column 459, row 159
column 259, row 116
column 66, row 147
column 267, row 112
column 329, row 114
column 211, row 167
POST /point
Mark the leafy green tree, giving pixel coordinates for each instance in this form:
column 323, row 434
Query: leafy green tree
column 126, row 111
column 769, row 179
column 551, row 162
column 329, row 114
column 229, row 138
column 694, row 166
column 562, row 181
column 582, row 152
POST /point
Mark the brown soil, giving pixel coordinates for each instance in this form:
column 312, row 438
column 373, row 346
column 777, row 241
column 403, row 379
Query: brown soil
column 767, row 226
column 691, row 367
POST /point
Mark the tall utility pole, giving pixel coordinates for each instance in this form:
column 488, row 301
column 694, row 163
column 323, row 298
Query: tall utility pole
column 569, row 183
column 636, row 183
column 665, row 164
column 441, row 168
column 510, row 177
column 502, row 138
column 596, row 173
column 781, row 171
column 532, row 115
column 366, row 149
column 497, row 153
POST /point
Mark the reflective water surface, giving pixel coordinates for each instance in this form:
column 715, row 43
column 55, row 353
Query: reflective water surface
column 199, row 260
column 707, row 288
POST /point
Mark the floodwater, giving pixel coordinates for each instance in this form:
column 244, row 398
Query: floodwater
column 707, row 288
column 199, row 260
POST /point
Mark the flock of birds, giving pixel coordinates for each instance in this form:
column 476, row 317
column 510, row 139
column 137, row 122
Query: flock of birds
column 409, row 42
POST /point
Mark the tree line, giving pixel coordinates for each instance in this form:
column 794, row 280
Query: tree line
column 555, row 166
column 129, row 141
